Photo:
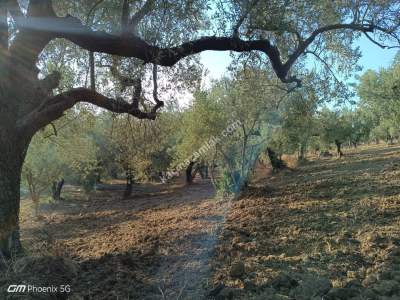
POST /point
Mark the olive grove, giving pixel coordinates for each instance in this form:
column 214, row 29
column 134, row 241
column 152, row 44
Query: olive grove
column 158, row 36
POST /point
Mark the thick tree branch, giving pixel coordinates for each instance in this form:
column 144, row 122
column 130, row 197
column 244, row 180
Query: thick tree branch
column 159, row 103
column 132, row 46
column 55, row 106
column 42, row 25
column 136, row 47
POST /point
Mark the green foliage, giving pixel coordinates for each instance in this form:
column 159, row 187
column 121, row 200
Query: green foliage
column 42, row 166
column 81, row 157
column 144, row 146
column 297, row 123
column 334, row 127
column 204, row 119
column 69, row 152
column 250, row 96
column 102, row 145
column 236, row 112
column 90, row 145
column 379, row 105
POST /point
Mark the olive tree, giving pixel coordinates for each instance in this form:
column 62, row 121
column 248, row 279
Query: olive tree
column 282, row 31
column 42, row 167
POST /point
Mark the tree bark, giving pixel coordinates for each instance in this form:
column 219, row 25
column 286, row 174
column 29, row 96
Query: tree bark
column 13, row 147
column 11, row 161
column 56, row 189
column 339, row 148
column 206, row 171
column 276, row 162
column 189, row 175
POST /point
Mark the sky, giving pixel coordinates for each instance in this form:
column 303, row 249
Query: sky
column 373, row 57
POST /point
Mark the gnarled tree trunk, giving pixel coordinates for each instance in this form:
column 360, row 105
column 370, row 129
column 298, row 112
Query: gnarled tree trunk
column 11, row 160
column 16, row 87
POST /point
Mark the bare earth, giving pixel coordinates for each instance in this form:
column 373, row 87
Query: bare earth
column 156, row 244
column 330, row 229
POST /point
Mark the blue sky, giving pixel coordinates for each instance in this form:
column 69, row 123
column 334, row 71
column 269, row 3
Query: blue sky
column 373, row 57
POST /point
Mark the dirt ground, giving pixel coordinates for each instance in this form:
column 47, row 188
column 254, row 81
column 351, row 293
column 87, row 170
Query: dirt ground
column 154, row 245
column 329, row 229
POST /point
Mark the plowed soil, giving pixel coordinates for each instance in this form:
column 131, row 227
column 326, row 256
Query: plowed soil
column 154, row 245
column 329, row 229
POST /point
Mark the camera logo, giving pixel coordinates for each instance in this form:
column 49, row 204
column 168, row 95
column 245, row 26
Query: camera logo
column 14, row 288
